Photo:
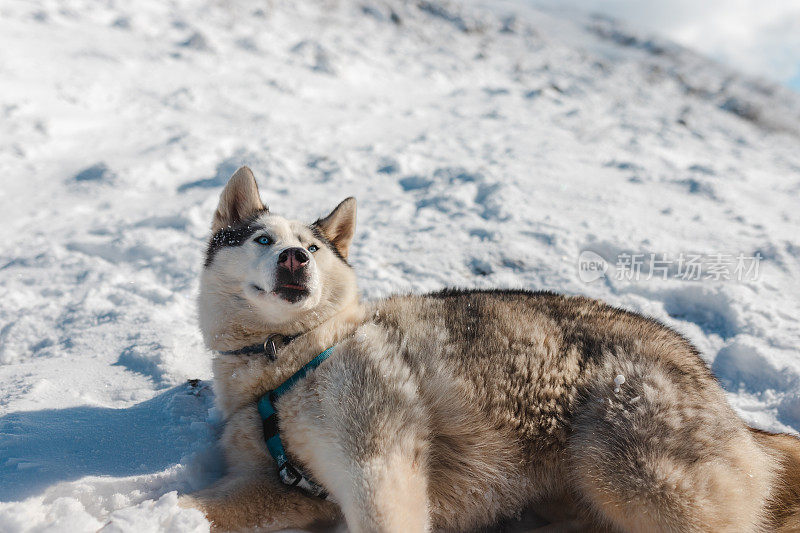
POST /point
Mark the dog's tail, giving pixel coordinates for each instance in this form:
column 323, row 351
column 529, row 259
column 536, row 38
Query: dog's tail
column 783, row 507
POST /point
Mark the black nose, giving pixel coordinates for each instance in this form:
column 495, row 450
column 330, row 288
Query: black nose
column 293, row 259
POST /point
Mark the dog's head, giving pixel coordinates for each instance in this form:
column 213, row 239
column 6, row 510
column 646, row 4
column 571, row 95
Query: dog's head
column 266, row 274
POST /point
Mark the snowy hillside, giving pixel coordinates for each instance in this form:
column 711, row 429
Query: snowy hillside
column 488, row 145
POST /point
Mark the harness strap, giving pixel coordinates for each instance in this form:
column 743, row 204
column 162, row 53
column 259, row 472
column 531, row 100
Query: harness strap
column 289, row 474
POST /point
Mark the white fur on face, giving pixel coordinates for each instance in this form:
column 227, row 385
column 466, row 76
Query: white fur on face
column 249, row 270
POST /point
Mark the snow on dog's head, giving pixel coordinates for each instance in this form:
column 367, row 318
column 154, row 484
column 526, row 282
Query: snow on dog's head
column 266, row 274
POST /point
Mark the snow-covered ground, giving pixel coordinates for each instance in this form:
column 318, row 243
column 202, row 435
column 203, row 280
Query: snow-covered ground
column 489, row 144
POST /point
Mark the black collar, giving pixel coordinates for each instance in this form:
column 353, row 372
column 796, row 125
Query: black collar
column 267, row 348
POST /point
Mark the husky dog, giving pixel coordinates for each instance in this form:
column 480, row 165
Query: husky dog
column 455, row 409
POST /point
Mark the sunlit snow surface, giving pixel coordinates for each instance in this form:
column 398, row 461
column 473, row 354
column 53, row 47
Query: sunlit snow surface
column 485, row 149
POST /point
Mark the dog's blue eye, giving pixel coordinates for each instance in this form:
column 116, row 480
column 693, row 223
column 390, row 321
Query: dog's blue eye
column 313, row 248
column 264, row 240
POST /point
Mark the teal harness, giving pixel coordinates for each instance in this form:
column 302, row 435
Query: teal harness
column 289, row 474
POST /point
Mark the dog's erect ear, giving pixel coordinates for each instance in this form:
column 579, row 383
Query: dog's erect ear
column 340, row 225
column 238, row 200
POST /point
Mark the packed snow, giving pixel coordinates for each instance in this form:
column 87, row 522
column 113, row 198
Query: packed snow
column 488, row 143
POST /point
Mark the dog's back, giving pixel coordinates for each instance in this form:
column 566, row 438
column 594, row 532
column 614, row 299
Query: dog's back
column 537, row 371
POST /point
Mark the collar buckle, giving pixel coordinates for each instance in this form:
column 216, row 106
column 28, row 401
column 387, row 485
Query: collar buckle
column 270, row 350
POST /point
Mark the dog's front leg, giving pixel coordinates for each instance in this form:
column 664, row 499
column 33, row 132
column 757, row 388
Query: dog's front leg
column 361, row 429
column 389, row 495
column 257, row 500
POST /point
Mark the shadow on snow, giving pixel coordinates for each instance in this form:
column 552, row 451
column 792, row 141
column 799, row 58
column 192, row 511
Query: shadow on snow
column 40, row 448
